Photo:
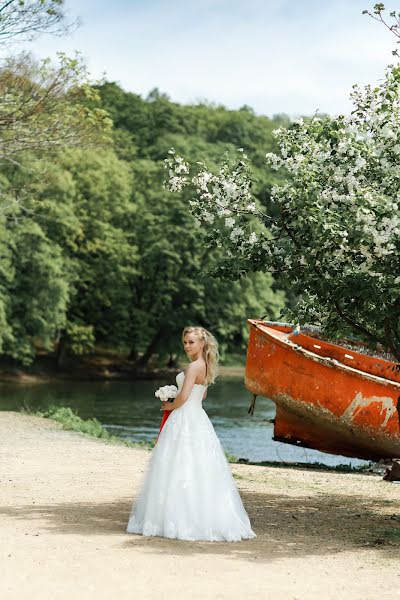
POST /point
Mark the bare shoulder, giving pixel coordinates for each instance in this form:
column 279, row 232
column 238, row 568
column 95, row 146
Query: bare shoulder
column 194, row 368
column 197, row 369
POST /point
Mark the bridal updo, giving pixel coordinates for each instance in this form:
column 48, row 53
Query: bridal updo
column 210, row 350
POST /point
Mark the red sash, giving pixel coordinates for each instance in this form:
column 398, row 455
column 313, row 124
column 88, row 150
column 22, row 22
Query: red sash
column 163, row 421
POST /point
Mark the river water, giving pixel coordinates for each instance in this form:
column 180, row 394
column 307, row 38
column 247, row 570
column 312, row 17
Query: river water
column 131, row 411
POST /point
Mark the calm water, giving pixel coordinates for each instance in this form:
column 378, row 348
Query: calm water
column 130, row 410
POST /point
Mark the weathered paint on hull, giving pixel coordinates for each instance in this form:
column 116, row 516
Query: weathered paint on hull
column 327, row 397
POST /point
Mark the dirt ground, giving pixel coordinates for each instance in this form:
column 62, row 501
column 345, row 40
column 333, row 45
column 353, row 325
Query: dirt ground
column 65, row 501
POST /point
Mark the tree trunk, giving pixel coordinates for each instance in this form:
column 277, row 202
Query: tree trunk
column 61, row 351
column 133, row 354
column 172, row 361
column 144, row 359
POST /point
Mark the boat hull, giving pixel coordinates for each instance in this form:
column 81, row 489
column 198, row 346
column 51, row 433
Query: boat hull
column 323, row 401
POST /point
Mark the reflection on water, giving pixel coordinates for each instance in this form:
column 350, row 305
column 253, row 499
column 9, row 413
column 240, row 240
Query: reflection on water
column 130, row 410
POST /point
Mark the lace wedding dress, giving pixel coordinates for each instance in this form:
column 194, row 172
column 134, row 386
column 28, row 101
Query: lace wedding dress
column 188, row 491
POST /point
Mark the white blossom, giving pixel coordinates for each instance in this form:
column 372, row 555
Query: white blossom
column 253, row 238
column 229, row 222
column 208, row 217
column 236, row 233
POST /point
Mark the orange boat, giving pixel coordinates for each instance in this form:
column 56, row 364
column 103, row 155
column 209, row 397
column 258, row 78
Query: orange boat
column 327, row 397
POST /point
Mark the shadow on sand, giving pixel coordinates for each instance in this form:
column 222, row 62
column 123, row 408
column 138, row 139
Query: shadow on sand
column 285, row 526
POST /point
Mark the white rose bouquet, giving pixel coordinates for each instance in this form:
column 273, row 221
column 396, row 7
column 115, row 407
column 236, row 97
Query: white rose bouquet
column 167, row 393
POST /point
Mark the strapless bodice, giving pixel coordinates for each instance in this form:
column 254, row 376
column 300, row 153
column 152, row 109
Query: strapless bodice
column 197, row 393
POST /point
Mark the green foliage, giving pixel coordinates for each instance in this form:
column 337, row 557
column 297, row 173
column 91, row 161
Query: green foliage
column 174, row 286
column 6, row 277
column 44, row 106
column 68, row 254
column 95, row 251
column 37, row 293
column 104, row 252
column 228, row 305
column 80, row 338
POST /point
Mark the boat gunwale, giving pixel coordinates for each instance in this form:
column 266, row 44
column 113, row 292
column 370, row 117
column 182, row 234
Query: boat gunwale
column 328, row 361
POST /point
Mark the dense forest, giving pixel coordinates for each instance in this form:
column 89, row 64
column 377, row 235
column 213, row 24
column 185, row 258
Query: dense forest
column 95, row 253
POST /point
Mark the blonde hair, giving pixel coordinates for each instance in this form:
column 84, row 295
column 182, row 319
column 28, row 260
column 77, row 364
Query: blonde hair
column 210, row 351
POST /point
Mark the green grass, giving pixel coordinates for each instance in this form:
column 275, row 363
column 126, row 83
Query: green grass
column 392, row 534
column 230, row 457
column 389, row 537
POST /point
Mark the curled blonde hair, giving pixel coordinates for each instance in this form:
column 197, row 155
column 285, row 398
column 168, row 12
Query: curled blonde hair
column 210, row 350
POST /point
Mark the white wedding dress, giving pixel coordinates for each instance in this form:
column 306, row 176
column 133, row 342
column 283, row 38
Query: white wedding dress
column 188, row 491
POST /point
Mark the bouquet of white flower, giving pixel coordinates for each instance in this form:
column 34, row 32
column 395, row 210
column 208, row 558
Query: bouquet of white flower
column 167, row 392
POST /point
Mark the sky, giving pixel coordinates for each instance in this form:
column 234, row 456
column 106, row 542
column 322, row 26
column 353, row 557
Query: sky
column 276, row 56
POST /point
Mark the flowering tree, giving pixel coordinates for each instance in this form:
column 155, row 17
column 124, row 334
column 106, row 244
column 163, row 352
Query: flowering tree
column 336, row 239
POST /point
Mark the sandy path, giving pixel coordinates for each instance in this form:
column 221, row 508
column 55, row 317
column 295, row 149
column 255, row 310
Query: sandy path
column 65, row 500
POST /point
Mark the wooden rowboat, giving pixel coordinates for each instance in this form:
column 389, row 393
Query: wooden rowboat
column 327, row 397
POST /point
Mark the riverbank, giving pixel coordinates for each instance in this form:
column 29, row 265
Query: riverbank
column 104, row 366
column 66, row 498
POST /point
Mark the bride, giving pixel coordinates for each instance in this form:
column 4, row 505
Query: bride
column 188, row 491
